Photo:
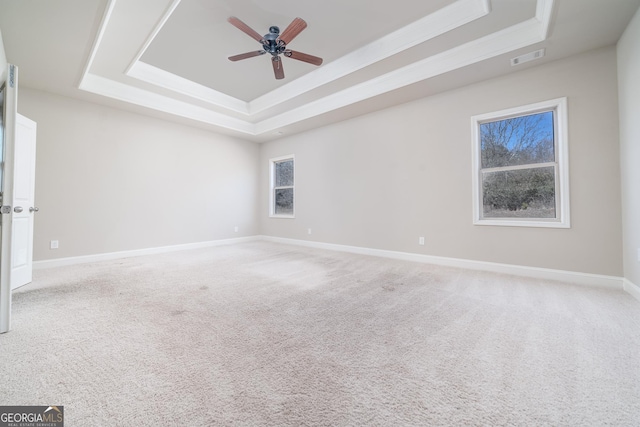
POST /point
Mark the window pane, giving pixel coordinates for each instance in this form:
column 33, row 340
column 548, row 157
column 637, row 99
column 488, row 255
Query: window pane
column 524, row 193
column 517, row 141
column 284, row 173
column 283, row 201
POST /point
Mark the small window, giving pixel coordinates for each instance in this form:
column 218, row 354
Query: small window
column 520, row 167
column 282, row 187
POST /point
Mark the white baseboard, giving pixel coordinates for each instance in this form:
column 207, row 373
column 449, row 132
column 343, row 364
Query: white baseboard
column 631, row 288
column 610, row 282
column 60, row 262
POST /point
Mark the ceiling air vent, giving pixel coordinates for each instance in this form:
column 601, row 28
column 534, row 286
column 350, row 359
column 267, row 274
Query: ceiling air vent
column 527, row 57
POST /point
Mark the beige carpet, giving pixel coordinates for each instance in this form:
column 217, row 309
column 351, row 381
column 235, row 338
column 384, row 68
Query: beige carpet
column 261, row 334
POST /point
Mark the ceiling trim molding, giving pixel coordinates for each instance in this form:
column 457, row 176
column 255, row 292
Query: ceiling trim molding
column 446, row 19
column 531, row 31
column 544, row 11
column 166, row 80
column 429, row 27
column 133, row 95
column 172, row 7
column 495, row 44
column 96, row 43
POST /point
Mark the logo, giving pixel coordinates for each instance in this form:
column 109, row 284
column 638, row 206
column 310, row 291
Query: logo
column 31, row 416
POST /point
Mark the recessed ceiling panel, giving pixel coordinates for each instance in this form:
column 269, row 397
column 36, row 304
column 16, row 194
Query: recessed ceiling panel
column 196, row 40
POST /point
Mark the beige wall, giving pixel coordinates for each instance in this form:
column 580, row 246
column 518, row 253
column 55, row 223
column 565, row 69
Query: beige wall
column 384, row 179
column 629, row 98
column 109, row 180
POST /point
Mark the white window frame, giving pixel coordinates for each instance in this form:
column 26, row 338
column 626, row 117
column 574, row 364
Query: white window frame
column 273, row 188
column 561, row 164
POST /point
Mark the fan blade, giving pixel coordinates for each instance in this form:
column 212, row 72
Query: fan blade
column 277, row 67
column 305, row 57
column 246, row 55
column 245, row 28
column 295, row 28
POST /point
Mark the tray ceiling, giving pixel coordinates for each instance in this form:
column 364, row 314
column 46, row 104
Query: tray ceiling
column 170, row 56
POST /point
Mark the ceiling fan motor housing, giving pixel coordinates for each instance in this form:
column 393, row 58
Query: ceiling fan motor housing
column 271, row 43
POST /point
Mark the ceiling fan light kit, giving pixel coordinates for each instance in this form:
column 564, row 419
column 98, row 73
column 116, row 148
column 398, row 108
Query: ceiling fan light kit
column 275, row 44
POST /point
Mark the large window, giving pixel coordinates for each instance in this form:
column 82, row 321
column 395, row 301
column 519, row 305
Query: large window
column 282, row 187
column 520, row 167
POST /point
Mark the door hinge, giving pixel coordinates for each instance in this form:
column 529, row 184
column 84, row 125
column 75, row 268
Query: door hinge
column 12, row 75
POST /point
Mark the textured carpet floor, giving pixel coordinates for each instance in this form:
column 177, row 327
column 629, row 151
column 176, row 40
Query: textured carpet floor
column 261, row 334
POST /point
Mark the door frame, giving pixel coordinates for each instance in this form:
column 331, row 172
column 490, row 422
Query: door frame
column 9, row 113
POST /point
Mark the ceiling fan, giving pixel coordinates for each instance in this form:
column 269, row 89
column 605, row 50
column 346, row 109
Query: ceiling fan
column 275, row 44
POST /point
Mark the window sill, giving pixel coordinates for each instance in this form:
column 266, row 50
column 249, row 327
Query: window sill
column 522, row 223
column 283, row 216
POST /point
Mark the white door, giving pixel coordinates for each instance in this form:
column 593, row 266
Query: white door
column 18, row 189
column 24, row 177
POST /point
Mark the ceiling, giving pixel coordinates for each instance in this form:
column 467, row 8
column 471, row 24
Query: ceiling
column 168, row 58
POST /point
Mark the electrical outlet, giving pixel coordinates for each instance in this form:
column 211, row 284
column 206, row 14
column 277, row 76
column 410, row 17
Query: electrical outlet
column 421, row 241
column 54, row 244
column 235, row 229
column 308, row 231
